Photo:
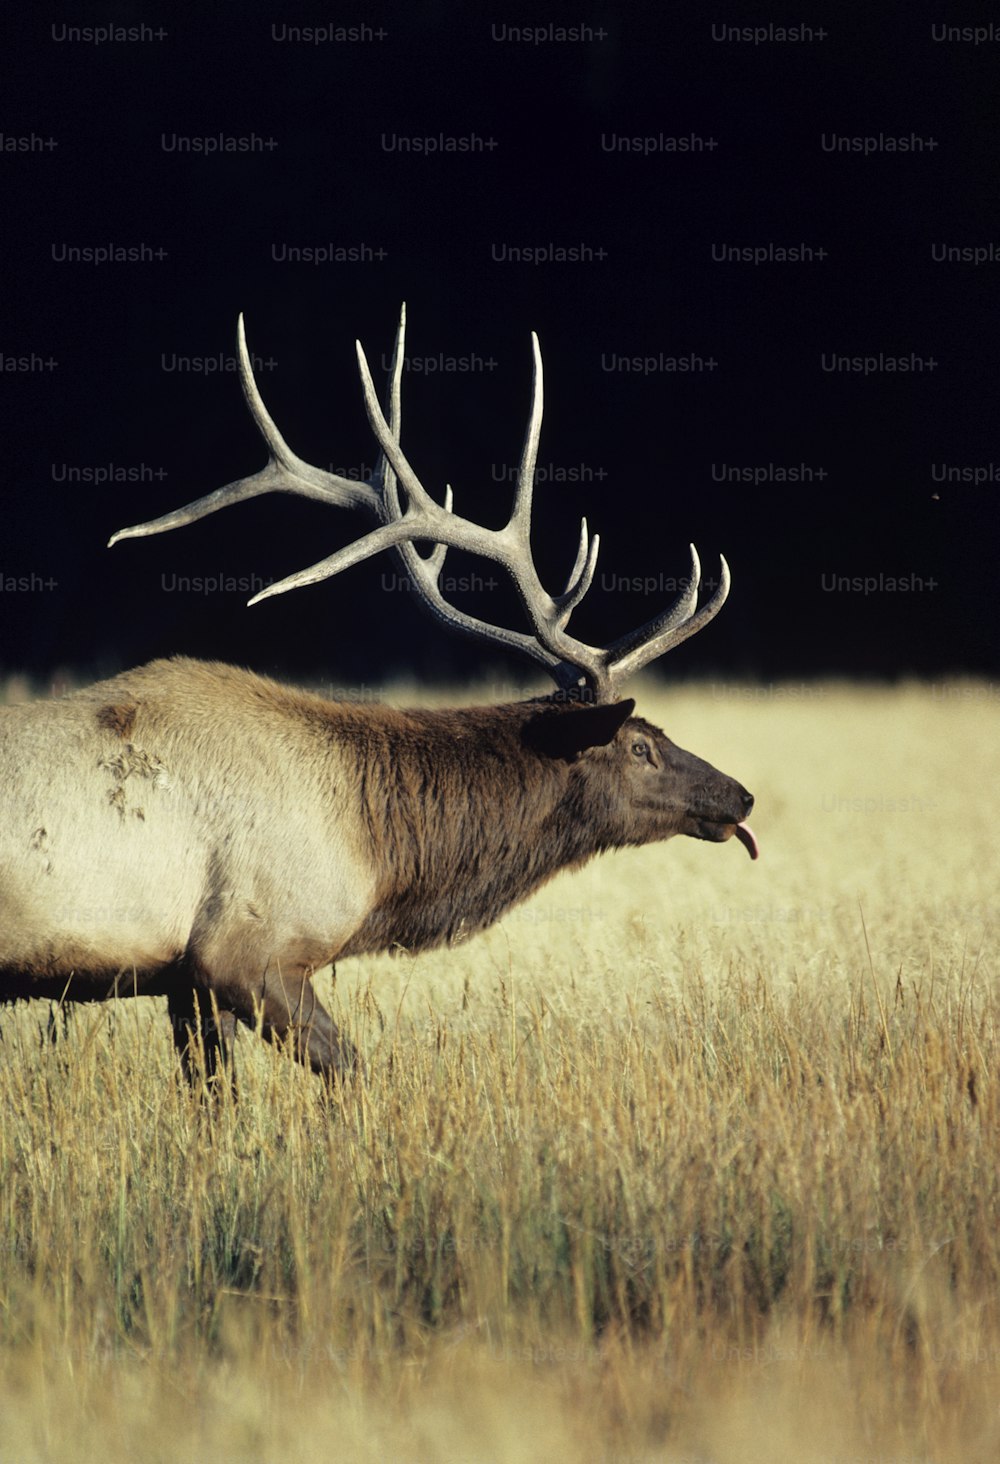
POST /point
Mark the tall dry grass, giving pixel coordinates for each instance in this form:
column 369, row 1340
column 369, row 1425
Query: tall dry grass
column 688, row 1159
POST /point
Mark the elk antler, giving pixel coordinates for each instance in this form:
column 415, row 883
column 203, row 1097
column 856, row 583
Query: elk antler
column 567, row 660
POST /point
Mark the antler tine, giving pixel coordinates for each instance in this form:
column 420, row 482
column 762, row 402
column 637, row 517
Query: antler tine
column 631, row 652
column 285, row 471
column 582, row 573
column 582, row 554
column 581, row 576
column 388, row 536
column 416, row 566
column 420, row 501
column 520, row 517
column 383, row 474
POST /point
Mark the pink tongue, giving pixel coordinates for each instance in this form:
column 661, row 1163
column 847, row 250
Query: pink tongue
column 748, row 839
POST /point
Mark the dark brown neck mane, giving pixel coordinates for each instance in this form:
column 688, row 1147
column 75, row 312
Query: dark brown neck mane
column 465, row 821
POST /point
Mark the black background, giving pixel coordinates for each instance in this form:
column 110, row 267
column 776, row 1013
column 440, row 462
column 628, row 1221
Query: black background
column 634, row 451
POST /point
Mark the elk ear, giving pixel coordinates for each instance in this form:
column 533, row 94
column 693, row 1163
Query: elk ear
column 567, row 734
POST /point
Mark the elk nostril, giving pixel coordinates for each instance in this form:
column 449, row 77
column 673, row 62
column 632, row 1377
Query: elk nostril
column 747, row 800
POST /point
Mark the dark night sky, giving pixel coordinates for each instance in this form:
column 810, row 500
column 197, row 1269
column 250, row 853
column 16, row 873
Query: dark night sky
column 641, row 453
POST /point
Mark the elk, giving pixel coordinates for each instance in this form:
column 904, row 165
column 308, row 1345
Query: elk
column 198, row 831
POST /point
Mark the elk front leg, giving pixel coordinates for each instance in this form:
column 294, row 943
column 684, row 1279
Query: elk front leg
column 263, row 979
column 292, row 1010
column 202, row 1028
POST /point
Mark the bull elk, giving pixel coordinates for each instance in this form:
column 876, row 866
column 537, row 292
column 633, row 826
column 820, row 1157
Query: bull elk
column 196, row 831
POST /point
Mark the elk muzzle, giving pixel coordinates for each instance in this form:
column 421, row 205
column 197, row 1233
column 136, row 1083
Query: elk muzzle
column 717, row 806
column 726, row 817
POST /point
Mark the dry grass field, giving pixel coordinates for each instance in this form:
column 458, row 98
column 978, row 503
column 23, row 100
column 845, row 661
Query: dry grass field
column 689, row 1159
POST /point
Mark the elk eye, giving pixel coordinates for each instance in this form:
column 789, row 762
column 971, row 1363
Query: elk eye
column 641, row 749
